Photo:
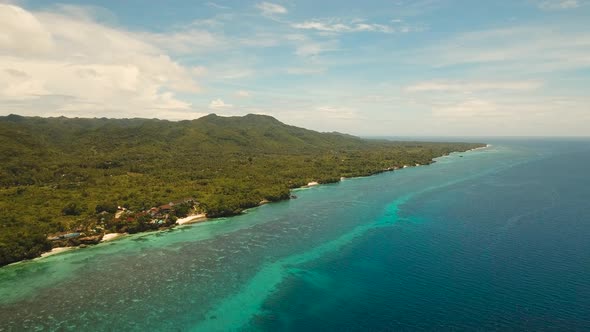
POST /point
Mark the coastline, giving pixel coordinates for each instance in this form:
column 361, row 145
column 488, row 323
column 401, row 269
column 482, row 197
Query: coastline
column 480, row 148
column 112, row 236
column 408, row 210
column 202, row 217
column 192, row 219
column 55, row 251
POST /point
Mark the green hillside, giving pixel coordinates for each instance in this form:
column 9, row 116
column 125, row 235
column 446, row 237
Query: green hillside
column 57, row 174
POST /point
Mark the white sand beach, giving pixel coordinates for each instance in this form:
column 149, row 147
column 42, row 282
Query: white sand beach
column 112, row 236
column 192, row 219
column 56, row 251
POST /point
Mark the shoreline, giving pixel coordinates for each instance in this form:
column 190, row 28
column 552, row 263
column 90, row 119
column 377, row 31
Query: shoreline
column 487, row 146
column 54, row 251
column 480, row 148
column 202, row 217
column 192, row 219
column 112, row 236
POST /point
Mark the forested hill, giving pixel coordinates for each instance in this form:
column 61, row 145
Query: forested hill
column 116, row 140
column 57, row 173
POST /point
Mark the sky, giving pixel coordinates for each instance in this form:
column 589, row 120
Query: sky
column 388, row 67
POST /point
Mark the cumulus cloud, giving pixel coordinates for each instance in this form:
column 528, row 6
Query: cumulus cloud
column 269, row 9
column 218, row 104
column 82, row 67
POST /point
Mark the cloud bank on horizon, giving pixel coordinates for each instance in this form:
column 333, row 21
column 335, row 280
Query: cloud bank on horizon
column 401, row 67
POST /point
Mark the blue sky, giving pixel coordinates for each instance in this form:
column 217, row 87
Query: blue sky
column 395, row 67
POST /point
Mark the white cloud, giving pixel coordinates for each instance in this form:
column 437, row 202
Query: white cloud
column 558, row 4
column 340, row 26
column 305, row 70
column 188, row 41
column 232, row 73
column 216, row 5
column 469, row 87
column 218, row 104
column 269, row 9
column 468, row 109
column 262, row 40
column 532, row 115
column 547, row 49
column 309, row 49
column 337, row 113
column 97, row 69
column 199, row 71
column 16, row 23
column 313, row 48
column 243, row 93
column 17, row 84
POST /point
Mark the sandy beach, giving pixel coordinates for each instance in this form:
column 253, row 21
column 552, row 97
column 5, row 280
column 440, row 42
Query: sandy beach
column 192, row 219
column 56, row 251
column 112, row 236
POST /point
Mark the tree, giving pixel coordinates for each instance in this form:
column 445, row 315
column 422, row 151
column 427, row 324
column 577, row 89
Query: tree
column 72, row 209
column 106, row 207
column 181, row 210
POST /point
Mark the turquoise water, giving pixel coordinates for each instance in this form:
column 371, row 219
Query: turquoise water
column 489, row 239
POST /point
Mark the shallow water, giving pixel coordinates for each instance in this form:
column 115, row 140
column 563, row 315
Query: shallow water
column 495, row 239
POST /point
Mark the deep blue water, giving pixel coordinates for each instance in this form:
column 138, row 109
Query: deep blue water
column 495, row 239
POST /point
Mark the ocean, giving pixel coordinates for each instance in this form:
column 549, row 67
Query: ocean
column 492, row 239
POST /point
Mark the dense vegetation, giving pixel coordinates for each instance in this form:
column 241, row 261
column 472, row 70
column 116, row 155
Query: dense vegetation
column 60, row 174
